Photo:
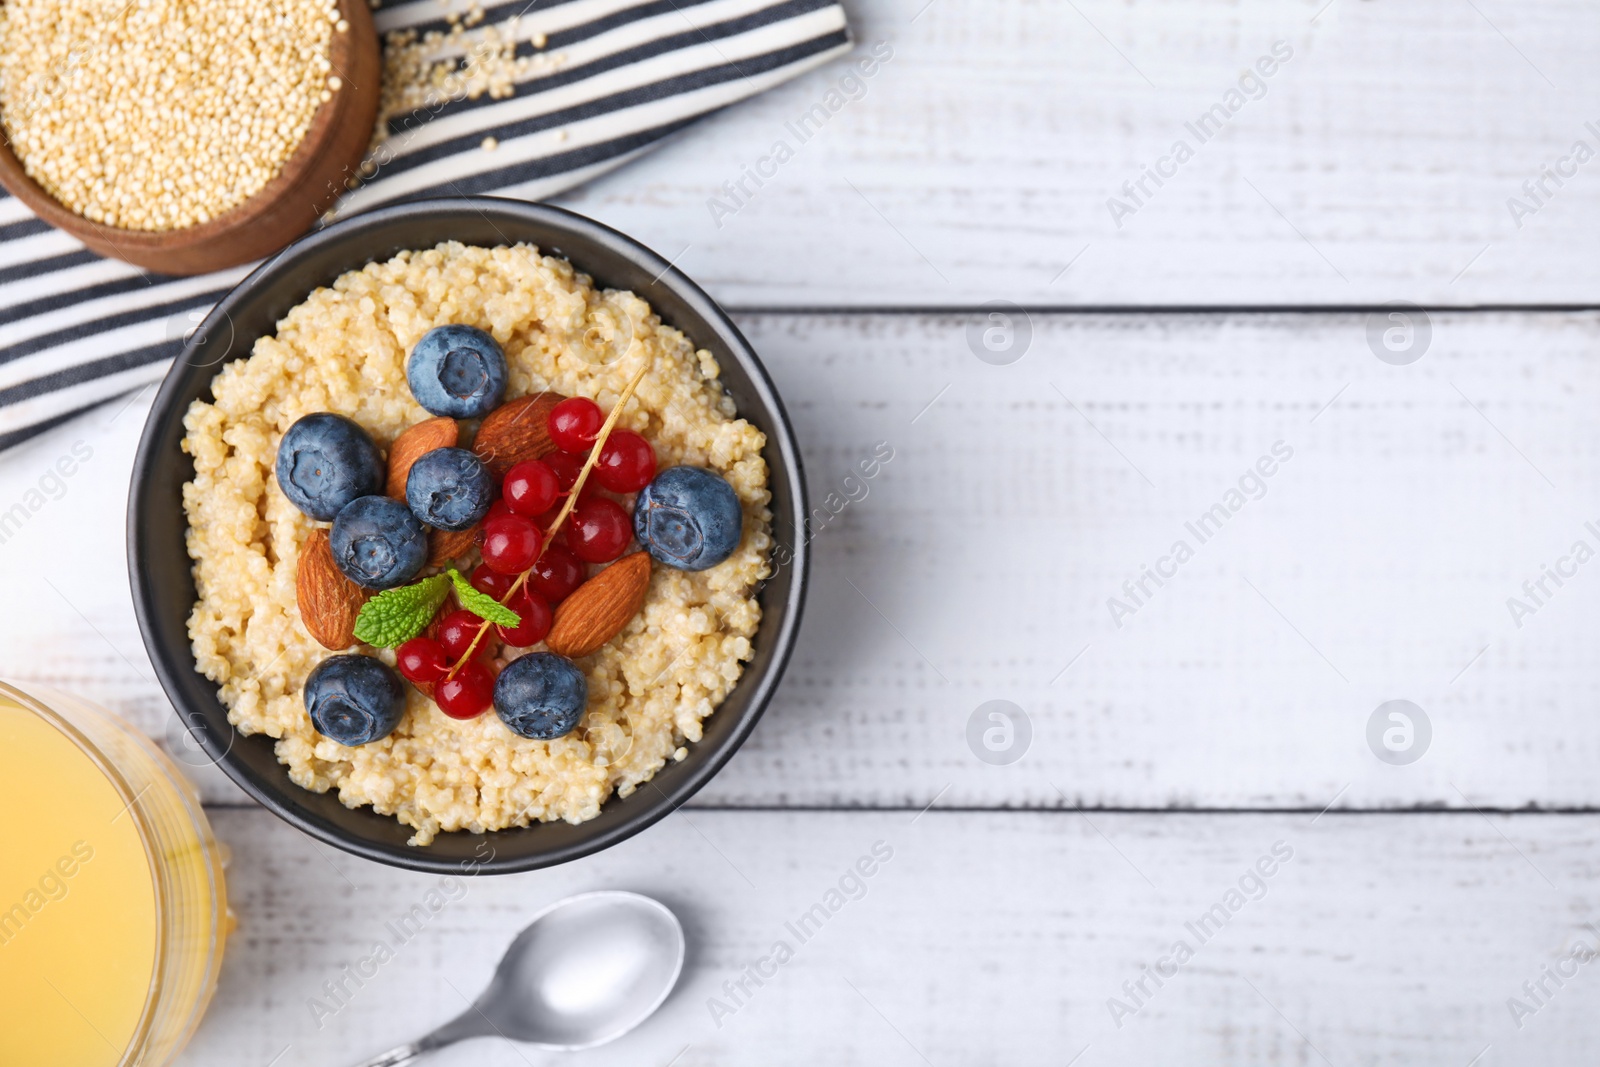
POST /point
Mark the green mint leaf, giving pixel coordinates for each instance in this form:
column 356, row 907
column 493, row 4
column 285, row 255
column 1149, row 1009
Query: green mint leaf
column 395, row 616
column 483, row 605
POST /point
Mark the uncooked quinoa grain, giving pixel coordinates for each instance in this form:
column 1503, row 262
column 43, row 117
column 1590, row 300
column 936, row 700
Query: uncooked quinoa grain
column 343, row 349
column 161, row 114
column 423, row 72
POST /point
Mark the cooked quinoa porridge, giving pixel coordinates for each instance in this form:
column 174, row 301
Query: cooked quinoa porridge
column 344, row 350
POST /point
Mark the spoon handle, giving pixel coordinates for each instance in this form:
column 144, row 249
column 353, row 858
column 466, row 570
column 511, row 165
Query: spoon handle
column 395, row 1056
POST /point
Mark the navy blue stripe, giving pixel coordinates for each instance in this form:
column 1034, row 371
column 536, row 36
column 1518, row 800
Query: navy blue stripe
column 79, row 331
column 647, row 50
column 500, row 12
column 48, row 265
column 68, row 297
column 24, row 228
column 490, row 181
column 495, row 14
column 88, row 372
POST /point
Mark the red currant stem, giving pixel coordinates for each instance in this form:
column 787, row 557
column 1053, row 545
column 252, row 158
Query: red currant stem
column 566, row 508
column 594, row 457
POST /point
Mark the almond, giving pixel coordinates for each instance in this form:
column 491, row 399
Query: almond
column 515, row 431
column 415, row 443
column 329, row 602
column 599, row 608
column 445, row 546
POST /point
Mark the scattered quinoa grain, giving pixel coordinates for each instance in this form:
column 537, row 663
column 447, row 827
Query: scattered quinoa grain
column 467, row 61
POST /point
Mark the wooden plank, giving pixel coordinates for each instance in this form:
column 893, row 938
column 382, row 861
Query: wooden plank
column 1376, row 163
column 982, row 939
column 982, row 561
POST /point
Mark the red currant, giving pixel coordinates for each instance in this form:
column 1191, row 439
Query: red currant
column 566, row 468
column 530, row 488
column 456, row 632
column 556, row 575
column 422, row 660
column 498, row 510
column 627, row 463
column 535, row 613
column 511, row 544
column 599, row 530
column 575, row 423
column 468, row 694
column 491, row 582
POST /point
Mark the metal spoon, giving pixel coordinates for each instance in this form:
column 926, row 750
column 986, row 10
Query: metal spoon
column 585, row 971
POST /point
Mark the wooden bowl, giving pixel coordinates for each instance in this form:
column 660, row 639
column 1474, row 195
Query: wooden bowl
column 286, row 207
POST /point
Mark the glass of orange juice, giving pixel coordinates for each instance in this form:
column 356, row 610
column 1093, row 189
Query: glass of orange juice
column 112, row 907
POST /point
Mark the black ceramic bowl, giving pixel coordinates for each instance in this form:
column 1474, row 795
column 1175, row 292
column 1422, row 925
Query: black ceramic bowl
column 163, row 587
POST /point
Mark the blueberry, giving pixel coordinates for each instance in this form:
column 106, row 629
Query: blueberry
column 688, row 518
column 354, row 699
column 449, row 488
column 325, row 461
column 457, row 371
column 378, row 543
column 541, row 695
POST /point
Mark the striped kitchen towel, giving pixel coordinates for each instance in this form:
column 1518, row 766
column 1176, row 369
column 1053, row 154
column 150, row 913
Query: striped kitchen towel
column 582, row 87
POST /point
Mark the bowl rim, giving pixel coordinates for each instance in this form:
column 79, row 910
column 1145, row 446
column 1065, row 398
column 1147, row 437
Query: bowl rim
column 782, row 449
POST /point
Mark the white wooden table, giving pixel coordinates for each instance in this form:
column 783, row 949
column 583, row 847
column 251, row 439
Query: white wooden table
column 1176, row 737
